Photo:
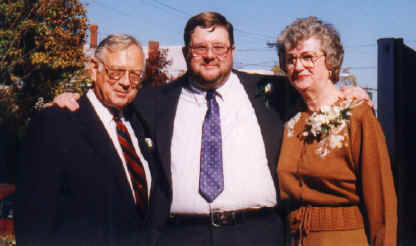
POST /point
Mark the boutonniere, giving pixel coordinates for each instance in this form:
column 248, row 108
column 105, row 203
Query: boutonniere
column 265, row 90
column 149, row 143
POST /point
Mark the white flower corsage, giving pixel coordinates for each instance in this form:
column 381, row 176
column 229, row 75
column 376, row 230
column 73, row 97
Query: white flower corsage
column 325, row 126
column 268, row 89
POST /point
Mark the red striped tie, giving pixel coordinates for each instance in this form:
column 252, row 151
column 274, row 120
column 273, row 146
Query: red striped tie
column 134, row 166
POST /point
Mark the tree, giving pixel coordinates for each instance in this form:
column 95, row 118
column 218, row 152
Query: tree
column 41, row 49
column 155, row 67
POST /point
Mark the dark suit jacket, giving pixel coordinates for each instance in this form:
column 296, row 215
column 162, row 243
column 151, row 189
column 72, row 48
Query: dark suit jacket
column 158, row 106
column 72, row 188
column 3, row 154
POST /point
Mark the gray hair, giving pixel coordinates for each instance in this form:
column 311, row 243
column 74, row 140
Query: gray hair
column 115, row 42
column 304, row 28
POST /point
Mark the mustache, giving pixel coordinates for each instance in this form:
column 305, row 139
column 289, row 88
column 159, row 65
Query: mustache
column 211, row 63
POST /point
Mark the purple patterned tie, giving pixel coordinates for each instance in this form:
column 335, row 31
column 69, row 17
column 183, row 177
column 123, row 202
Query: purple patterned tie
column 211, row 178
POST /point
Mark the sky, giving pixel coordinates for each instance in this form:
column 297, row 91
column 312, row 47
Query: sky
column 360, row 23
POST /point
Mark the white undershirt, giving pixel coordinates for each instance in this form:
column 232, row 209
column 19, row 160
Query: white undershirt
column 247, row 179
column 110, row 126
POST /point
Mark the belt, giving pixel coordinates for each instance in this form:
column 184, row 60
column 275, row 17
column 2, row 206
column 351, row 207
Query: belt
column 221, row 218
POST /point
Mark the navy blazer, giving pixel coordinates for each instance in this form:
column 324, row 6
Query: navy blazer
column 72, row 188
column 158, row 106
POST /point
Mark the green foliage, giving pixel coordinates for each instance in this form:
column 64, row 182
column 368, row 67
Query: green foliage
column 41, row 49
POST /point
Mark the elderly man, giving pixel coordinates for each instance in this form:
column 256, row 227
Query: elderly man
column 85, row 176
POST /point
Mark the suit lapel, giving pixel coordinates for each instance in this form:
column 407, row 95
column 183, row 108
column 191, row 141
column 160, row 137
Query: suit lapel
column 140, row 131
column 165, row 122
column 95, row 134
column 269, row 121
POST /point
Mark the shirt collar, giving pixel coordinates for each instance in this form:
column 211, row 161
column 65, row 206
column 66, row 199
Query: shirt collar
column 194, row 93
column 103, row 112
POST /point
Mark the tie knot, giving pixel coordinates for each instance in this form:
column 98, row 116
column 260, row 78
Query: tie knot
column 116, row 114
column 116, row 117
column 211, row 95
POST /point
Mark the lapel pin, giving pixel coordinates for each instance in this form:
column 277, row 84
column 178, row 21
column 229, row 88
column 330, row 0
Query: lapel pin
column 149, row 143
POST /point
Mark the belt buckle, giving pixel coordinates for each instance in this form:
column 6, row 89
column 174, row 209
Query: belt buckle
column 221, row 218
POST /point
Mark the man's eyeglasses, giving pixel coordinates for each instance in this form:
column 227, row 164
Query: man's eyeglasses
column 135, row 76
column 307, row 60
column 217, row 49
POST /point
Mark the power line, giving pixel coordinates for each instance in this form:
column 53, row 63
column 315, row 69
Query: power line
column 173, row 8
column 363, row 68
column 184, row 13
column 168, row 8
column 264, row 64
column 274, row 44
column 119, row 11
column 236, row 29
column 360, row 46
column 266, row 37
column 254, row 50
column 163, row 6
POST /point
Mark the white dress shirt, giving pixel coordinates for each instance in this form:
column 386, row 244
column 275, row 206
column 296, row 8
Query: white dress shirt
column 247, row 179
column 110, row 126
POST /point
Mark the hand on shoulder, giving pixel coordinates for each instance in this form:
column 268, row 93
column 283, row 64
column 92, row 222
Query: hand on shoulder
column 356, row 93
column 66, row 100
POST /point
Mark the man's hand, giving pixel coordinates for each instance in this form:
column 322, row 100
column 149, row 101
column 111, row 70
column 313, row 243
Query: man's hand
column 356, row 93
column 66, row 100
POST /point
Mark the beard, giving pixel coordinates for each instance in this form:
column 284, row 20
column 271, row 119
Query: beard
column 208, row 80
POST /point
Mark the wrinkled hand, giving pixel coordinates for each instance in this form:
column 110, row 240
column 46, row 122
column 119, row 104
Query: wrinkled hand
column 66, row 100
column 356, row 93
